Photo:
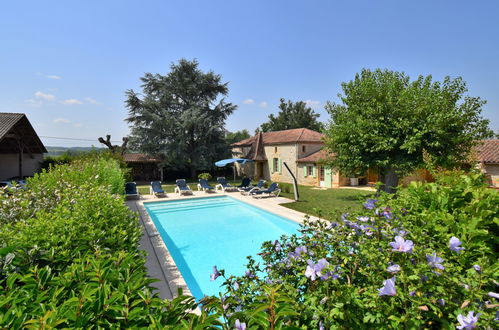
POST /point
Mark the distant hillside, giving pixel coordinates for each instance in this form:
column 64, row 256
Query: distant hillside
column 57, row 151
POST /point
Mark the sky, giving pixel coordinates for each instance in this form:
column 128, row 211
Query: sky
column 67, row 64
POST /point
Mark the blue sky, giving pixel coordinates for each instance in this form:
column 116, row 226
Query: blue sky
column 67, row 64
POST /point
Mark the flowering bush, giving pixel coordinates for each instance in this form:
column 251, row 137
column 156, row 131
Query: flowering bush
column 426, row 258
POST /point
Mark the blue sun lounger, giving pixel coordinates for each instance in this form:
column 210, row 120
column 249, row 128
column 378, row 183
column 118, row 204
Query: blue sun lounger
column 224, row 185
column 182, row 187
column 204, row 185
column 156, row 189
column 248, row 190
column 131, row 190
column 245, row 183
column 273, row 190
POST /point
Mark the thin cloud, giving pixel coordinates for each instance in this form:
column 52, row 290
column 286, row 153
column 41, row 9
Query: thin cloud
column 62, row 121
column 313, row 104
column 71, row 102
column 249, row 101
column 34, row 103
column 91, row 100
column 77, row 125
column 263, row 104
column 53, row 76
column 45, row 96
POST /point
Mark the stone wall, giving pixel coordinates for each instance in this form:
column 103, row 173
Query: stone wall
column 492, row 173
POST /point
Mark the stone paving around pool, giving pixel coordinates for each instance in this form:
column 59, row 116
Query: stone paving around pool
column 160, row 264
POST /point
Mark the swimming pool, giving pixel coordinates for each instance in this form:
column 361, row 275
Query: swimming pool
column 203, row 232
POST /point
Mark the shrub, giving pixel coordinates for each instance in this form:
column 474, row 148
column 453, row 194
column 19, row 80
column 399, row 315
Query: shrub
column 205, row 176
column 69, row 255
column 416, row 260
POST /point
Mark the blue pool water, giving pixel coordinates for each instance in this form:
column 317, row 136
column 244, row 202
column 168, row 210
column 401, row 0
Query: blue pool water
column 203, row 232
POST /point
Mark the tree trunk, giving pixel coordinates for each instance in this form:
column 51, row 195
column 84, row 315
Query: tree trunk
column 390, row 180
column 192, row 169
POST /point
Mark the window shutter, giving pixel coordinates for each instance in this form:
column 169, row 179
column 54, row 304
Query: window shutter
column 279, row 165
column 272, row 166
column 305, row 171
column 314, row 171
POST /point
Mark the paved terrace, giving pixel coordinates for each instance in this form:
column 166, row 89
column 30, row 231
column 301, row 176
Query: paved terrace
column 160, row 264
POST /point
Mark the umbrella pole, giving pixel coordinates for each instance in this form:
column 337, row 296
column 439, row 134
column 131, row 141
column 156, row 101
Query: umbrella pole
column 234, row 172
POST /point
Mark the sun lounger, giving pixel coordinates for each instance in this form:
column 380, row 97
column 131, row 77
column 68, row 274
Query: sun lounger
column 156, row 189
column 182, row 187
column 224, row 185
column 273, row 190
column 248, row 190
column 131, row 190
column 245, row 183
column 204, row 185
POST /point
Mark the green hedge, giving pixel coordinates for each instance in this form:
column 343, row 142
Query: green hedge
column 69, row 255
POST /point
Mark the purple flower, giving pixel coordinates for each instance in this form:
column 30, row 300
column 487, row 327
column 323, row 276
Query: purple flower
column 240, row 325
column 467, row 322
column 477, row 268
column 277, row 246
column 399, row 232
column 412, row 293
column 493, row 295
column 394, row 269
column 370, row 204
column 236, row 285
column 215, row 274
column 363, row 219
column 249, row 274
column 388, row 288
column 331, row 225
column 435, row 261
column 298, row 252
column 441, row 302
column 344, row 216
column 424, row 278
column 387, row 214
column 454, row 244
column 401, row 245
column 314, row 270
column 321, row 325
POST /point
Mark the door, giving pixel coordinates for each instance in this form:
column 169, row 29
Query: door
column 322, row 183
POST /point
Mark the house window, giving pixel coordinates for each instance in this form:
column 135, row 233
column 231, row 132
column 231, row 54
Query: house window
column 310, row 170
column 303, row 148
column 276, row 164
column 275, row 149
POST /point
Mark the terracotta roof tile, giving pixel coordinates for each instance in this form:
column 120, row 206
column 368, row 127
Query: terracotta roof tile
column 488, row 151
column 140, row 158
column 315, row 157
column 296, row 135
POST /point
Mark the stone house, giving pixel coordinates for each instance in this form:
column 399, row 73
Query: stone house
column 487, row 155
column 299, row 148
column 21, row 150
column 144, row 168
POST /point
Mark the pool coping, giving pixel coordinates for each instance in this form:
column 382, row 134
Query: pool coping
column 158, row 253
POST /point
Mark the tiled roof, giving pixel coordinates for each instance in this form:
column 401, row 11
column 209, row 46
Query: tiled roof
column 488, row 151
column 295, row 135
column 7, row 121
column 140, row 158
column 315, row 157
column 257, row 152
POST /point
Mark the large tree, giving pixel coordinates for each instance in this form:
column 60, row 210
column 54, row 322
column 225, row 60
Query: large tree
column 292, row 115
column 233, row 137
column 389, row 122
column 180, row 116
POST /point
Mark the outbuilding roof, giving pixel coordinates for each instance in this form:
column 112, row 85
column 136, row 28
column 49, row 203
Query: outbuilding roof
column 141, row 158
column 488, row 151
column 16, row 131
column 295, row 135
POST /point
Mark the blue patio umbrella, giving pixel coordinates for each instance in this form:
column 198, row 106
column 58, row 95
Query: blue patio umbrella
column 223, row 162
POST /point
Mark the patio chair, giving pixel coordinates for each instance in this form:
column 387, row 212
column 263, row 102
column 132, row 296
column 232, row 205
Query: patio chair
column 224, row 185
column 156, row 189
column 204, row 185
column 248, row 190
column 273, row 190
column 131, row 190
column 182, row 187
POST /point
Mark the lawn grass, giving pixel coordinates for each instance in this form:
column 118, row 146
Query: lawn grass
column 313, row 201
column 325, row 202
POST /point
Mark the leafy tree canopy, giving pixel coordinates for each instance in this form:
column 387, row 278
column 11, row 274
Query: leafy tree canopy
column 389, row 122
column 180, row 116
column 292, row 115
column 233, row 137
